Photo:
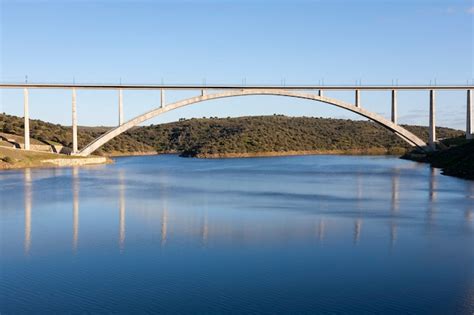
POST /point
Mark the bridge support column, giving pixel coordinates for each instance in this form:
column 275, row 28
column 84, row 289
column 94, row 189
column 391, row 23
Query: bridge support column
column 162, row 98
column 432, row 128
column 203, row 92
column 469, row 120
column 357, row 98
column 74, row 122
column 320, row 93
column 394, row 106
column 26, row 109
column 120, row 107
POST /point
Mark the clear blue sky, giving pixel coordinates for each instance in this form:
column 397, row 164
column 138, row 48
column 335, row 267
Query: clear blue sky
column 414, row 41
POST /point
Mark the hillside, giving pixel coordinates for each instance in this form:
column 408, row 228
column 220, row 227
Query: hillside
column 216, row 137
column 55, row 133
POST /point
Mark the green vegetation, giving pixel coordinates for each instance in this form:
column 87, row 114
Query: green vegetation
column 8, row 159
column 246, row 136
column 214, row 136
column 56, row 134
column 208, row 137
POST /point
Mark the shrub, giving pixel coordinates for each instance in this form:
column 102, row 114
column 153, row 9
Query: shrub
column 8, row 160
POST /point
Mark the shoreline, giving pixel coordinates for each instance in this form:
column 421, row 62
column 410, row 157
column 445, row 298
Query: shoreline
column 19, row 159
column 125, row 154
column 372, row 151
column 456, row 161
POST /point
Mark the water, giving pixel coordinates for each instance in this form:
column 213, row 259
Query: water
column 285, row 234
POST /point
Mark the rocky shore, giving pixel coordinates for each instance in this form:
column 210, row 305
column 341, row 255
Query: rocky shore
column 455, row 161
column 371, row 151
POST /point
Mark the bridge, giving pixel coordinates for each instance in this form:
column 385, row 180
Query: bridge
column 211, row 92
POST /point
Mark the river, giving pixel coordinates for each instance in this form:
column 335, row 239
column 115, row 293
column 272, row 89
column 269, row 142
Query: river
column 299, row 234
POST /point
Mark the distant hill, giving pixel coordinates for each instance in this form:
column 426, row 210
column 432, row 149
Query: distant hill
column 220, row 136
column 212, row 137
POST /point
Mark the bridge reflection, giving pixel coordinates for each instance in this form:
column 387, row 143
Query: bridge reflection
column 321, row 230
column 358, row 221
column 205, row 230
column 394, row 210
column 28, row 195
column 122, row 211
column 433, row 186
column 164, row 226
column 75, row 208
column 469, row 214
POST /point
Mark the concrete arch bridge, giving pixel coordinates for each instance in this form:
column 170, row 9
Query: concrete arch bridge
column 219, row 92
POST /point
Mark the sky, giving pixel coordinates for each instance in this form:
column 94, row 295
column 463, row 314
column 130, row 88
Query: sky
column 230, row 42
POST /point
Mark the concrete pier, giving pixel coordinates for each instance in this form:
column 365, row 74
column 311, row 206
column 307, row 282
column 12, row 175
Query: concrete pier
column 74, row 122
column 120, row 107
column 203, row 92
column 162, row 98
column 394, row 106
column 357, row 98
column 432, row 128
column 469, row 120
column 320, row 93
column 26, row 109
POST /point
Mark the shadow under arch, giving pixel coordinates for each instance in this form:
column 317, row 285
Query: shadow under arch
column 409, row 137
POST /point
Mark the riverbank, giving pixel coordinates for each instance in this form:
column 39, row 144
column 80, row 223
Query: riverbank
column 455, row 161
column 370, row 151
column 11, row 158
column 124, row 154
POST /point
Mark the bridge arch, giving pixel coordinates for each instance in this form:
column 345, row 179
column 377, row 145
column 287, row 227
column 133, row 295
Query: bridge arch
column 409, row 137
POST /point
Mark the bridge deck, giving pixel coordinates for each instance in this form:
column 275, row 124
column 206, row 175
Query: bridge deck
column 232, row 87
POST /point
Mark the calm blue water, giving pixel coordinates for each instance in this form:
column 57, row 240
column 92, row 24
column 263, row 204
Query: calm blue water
column 270, row 235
